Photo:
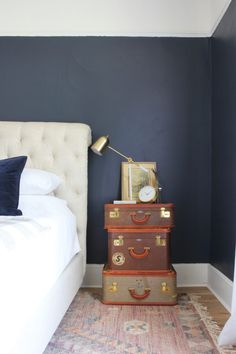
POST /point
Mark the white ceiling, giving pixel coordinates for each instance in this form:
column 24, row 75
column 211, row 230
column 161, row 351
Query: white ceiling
column 183, row 18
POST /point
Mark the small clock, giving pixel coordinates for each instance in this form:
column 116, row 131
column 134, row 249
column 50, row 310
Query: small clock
column 147, row 194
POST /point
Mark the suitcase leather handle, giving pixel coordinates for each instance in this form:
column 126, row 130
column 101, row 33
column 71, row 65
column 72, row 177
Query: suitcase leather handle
column 144, row 254
column 140, row 221
column 137, row 296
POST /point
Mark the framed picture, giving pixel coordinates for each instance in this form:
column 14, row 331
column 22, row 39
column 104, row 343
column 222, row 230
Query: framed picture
column 135, row 176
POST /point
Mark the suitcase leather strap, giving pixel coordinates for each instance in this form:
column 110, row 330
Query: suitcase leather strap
column 138, row 296
column 135, row 255
column 140, row 220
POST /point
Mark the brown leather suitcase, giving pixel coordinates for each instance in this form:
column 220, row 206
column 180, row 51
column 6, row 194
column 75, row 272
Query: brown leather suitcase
column 129, row 287
column 141, row 215
column 139, row 249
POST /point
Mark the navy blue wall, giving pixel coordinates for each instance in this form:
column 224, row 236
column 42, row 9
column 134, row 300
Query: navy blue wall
column 152, row 95
column 224, row 143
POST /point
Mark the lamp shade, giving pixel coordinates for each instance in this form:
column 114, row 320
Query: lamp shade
column 100, row 145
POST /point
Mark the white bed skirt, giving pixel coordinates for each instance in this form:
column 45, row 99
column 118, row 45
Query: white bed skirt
column 34, row 338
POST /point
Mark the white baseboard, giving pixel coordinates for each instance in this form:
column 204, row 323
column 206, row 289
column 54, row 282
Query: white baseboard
column 93, row 276
column 193, row 274
column 187, row 275
column 221, row 286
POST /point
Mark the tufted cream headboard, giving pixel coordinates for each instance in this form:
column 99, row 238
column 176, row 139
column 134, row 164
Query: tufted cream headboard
column 61, row 148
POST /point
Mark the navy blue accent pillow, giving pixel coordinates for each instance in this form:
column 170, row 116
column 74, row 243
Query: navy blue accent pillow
column 10, row 172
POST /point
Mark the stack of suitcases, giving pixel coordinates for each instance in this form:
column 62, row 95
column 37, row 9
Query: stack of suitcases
column 139, row 269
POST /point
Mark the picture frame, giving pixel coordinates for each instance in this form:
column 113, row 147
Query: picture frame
column 134, row 177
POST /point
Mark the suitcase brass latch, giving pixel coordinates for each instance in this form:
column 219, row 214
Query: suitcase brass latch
column 164, row 287
column 113, row 288
column 160, row 242
column 119, row 241
column 114, row 214
column 165, row 213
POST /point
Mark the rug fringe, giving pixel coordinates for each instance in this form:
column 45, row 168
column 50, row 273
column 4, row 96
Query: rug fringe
column 210, row 324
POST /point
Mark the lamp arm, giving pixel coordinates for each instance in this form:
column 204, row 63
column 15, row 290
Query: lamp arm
column 129, row 159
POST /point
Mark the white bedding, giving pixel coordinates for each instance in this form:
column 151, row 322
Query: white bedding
column 34, row 250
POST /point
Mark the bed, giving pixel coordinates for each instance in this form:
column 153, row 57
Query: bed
column 61, row 148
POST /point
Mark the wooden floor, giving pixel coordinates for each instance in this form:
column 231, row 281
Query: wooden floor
column 216, row 310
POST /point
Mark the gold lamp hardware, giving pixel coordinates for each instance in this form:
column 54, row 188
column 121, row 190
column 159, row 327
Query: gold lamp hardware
column 102, row 143
column 100, row 146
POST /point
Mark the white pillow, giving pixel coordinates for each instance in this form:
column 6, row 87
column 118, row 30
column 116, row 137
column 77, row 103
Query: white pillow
column 38, row 182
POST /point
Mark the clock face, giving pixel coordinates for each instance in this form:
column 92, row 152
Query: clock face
column 147, row 194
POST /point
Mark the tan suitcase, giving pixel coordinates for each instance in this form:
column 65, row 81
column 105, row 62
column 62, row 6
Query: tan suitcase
column 139, row 249
column 127, row 287
column 141, row 215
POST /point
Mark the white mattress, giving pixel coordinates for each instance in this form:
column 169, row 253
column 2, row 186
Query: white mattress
column 34, row 250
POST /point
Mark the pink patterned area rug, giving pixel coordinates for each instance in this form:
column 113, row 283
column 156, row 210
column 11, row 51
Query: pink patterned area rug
column 89, row 327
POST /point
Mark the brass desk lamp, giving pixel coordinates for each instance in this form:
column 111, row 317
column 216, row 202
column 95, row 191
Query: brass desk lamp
column 103, row 142
column 100, row 146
